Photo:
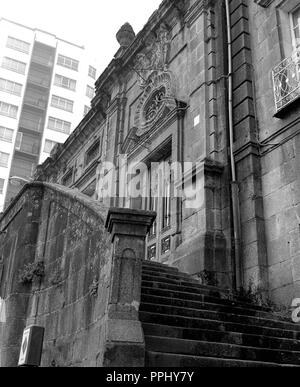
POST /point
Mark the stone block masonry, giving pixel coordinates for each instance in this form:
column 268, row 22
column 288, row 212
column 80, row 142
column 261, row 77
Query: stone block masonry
column 87, row 297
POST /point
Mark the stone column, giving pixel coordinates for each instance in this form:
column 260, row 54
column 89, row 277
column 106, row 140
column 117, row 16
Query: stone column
column 125, row 345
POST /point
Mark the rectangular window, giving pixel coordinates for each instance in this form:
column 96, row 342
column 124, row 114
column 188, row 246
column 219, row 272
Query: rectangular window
column 92, row 72
column 14, row 65
column 65, row 82
column 90, row 91
column 295, row 25
column 67, row 62
column 153, row 180
column 92, row 153
column 59, row 125
column 10, row 87
column 62, row 103
column 49, row 145
column 68, row 178
column 4, row 157
column 90, row 189
column 166, row 200
column 160, row 192
column 18, row 45
column 8, row 110
column 6, row 134
column 1, row 186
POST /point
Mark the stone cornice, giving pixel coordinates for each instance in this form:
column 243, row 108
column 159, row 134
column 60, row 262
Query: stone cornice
column 87, row 126
column 194, row 11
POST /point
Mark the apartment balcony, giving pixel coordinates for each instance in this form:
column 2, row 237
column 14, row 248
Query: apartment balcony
column 31, row 150
column 286, row 83
column 39, row 81
column 43, row 60
column 26, row 146
column 39, row 103
column 33, row 126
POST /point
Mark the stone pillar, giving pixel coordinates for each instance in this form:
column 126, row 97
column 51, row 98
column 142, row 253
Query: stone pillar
column 125, row 345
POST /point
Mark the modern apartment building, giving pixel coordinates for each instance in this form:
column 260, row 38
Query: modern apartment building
column 46, row 85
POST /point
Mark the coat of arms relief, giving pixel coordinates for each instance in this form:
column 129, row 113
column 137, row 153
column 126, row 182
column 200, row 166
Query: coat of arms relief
column 155, row 55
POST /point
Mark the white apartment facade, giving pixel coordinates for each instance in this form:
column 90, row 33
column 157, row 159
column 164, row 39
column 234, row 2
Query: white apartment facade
column 46, row 86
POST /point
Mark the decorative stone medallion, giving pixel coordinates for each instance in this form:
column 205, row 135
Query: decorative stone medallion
column 157, row 100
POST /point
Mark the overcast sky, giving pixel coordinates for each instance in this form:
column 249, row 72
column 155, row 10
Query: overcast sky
column 92, row 23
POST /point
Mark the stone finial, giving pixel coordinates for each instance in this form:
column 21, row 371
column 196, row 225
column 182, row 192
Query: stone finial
column 125, row 35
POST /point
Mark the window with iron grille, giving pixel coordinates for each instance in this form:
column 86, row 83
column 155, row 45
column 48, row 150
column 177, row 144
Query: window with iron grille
column 18, row 45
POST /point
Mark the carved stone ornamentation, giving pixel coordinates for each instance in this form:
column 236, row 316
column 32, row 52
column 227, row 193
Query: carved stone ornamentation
column 125, row 35
column 155, row 55
column 158, row 99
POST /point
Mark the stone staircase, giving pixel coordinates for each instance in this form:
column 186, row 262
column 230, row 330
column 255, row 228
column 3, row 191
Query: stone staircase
column 187, row 324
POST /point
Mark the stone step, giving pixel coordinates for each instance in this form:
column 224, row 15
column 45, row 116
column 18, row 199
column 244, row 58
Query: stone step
column 243, row 339
column 216, row 325
column 180, row 281
column 192, row 287
column 196, row 297
column 159, row 266
column 190, row 304
column 220, row 350
column 178, row 276
column 214, row 315
column 177, row 288
column 163, row 360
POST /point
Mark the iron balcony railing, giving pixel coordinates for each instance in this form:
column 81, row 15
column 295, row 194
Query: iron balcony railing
column 286, row 81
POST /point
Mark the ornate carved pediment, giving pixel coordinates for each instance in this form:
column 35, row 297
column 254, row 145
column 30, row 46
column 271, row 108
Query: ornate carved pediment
column 155, row 55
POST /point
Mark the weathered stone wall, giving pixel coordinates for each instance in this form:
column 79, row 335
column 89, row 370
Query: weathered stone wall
column 66, row 231
column 279, row 148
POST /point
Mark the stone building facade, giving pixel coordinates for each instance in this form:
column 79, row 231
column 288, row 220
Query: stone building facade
column 164, row 97
column 195, row 119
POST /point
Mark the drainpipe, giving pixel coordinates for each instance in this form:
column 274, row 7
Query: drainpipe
column 238, row 269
